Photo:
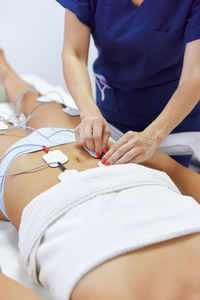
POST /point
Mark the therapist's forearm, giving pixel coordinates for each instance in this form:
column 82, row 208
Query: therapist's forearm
column 180, row 105
column 79, row 85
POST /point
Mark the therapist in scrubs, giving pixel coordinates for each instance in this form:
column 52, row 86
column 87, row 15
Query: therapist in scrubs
column 147, row 72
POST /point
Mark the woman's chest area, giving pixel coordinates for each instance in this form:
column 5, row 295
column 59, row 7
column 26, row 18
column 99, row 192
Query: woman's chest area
column 137, row 3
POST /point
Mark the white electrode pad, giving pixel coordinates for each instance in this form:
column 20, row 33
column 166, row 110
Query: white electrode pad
column 100, row 164
column 52, row 157
column 64, row 175
column 44, row 99
column 3, row 126
column 92, row 153
column 71, row 111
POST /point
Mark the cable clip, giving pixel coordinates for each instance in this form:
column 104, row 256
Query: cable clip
column 71, row 111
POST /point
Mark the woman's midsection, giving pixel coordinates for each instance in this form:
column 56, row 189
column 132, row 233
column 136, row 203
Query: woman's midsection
column 168, row 270
column 8, row 139
column 19, row 190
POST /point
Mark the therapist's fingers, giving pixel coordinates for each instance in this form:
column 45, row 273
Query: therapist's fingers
column 84, row 136
column 120, row 153
column 92, row 133
column 97, row 138
column 88, row 137
column 115, row 148
column 77, row 129
column 79, row 135
column 138, row 159
column 106, row 136
column 129, row 157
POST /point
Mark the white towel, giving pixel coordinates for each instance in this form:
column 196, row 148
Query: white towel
column 97, row 215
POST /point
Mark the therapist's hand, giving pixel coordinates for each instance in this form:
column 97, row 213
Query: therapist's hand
column 133, row 147
column 93, row 133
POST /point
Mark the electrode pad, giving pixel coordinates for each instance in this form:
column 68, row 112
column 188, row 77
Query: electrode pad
column 100, row 164
column 52, row 157
column 63, row 176
column 71, row 111
column 44, row 99
column 92, row 153
column 3, row 126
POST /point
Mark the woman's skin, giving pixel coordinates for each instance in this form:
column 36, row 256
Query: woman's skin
column 93, row 131
column 137, row 2
column 168, row 270
column 10, row 289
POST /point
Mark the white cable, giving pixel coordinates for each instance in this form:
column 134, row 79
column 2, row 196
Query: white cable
column 12, row 149
column 19, row 97
column 10, row 130
column 27, row 170
column 61, row 130
column 32, row 145
column 34, row 107
column 17, row 104
column 40, row 118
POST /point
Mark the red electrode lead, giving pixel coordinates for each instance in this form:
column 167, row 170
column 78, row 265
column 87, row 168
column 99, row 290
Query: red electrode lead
column 46, row 148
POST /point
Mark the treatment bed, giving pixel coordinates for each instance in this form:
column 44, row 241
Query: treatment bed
column 176, row 144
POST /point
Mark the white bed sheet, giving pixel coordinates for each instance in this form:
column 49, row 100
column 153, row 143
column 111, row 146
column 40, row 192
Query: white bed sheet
column 9, row 259
column 184, row 143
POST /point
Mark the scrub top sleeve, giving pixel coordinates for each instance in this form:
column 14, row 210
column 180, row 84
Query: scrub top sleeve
column 81, row 8
column 192, row 31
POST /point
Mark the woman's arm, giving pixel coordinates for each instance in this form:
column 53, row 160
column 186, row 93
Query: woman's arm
column 137, row 147
column 185, row 179
column 10, row 289
column 93, row 132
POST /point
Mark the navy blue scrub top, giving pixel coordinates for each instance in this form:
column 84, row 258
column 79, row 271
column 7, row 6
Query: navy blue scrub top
column 140, row 53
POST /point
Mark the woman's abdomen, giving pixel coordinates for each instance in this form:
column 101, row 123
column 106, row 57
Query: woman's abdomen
column 19, row 190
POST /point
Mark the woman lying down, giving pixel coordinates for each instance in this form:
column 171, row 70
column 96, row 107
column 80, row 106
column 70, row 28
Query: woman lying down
column 117, row 232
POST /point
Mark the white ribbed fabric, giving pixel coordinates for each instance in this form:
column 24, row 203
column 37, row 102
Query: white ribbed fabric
column 97, row 215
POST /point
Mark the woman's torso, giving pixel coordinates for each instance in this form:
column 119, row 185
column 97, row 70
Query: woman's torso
column 21, row 189
column 165, row 271
column 178, row 259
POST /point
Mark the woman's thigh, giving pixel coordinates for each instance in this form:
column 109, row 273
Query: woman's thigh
column 49, row 112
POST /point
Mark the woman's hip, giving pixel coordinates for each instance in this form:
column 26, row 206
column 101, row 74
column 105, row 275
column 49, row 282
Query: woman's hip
column 105, row 228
